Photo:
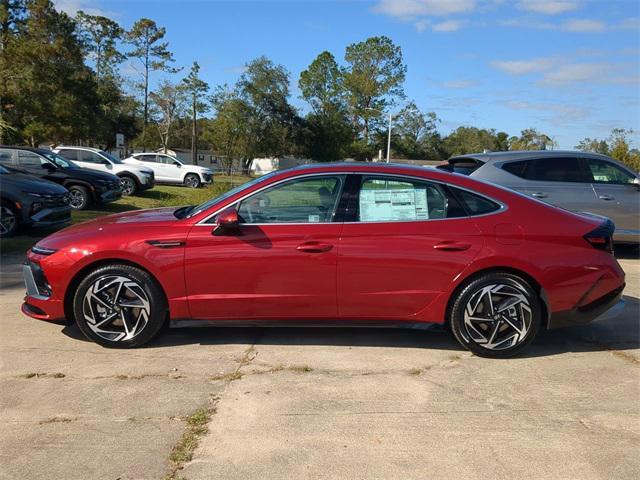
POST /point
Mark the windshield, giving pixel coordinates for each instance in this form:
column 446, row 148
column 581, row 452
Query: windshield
column 203, row 206
column 58, row 160
column 109, row 156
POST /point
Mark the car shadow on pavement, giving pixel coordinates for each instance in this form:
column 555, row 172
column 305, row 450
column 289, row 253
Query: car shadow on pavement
column 608, row 334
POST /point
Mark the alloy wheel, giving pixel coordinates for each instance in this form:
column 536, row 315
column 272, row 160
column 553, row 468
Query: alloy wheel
column 76, row 199
column 8, row 220
column 497, row 317
column 192, row 181
column 128, row 186
column 116, row 308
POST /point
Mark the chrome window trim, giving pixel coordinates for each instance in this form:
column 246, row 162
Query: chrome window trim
column 502, row 208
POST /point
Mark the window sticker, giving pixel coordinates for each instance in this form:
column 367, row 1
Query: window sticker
column 393, row 205
column 314, row 218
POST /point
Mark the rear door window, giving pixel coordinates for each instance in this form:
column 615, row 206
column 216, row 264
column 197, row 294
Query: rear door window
column 476, row 204
column 6, row 157
column 557, row 169
column 29, row 159
column 394, row 199
column 91, row 157
column 69, row 154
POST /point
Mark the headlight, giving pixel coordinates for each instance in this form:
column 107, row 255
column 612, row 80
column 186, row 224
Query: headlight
column 34, row 194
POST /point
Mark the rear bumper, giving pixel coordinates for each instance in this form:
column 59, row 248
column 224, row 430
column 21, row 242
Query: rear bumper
column 585, row 313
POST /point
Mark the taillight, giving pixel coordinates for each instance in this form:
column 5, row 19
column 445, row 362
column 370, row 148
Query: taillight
column 602, row 237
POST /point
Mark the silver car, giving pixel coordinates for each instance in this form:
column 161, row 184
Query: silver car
column 578, row 181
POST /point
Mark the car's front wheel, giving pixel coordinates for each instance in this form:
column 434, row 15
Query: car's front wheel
column 128, row 185
column 119, row 306
column 192, row 180
column 8, row 220
column 496, row 315
column 78, row 197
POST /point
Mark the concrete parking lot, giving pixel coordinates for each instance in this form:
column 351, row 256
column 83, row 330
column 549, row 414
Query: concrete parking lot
column 317, row 403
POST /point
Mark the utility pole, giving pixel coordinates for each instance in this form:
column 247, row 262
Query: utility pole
column 389, row 139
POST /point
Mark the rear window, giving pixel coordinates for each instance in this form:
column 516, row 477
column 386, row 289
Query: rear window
column 475, row 204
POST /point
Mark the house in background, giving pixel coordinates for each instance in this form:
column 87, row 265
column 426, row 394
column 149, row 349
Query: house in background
column 261, row 166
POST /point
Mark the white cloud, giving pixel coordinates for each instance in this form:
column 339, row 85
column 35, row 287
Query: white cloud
column 71, row 7
column 408, row 9
column 421, row 25
column 572, row 73
column 460, row 84
column 583, row 26
column 448, row 26
column 548, row 7
column 523, row 67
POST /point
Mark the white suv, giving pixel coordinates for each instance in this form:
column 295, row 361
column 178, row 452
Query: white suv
column 132, row 178
column 169, row 169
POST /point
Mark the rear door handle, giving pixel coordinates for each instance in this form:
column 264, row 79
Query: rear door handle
column 606, row 197
column 452, row 246
column 314, row 247
column 539, row 195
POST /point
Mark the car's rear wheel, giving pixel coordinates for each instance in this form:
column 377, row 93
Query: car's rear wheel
column 78, row 197
column 496, row 315
column 119, row 306
column 192, row 180
column 8, row 220
column 128, row 185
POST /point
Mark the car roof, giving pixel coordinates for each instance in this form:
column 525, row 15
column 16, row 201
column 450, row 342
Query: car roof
column 72, row 147
column 523, row 154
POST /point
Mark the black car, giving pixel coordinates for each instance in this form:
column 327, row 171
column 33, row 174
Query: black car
column 30, row 201
column 85, row 186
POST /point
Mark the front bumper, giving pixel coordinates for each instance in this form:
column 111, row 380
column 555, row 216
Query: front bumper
column 109, row 195
column 585, row 313
column 48, row 217
column 207, row 178
column 39, row 301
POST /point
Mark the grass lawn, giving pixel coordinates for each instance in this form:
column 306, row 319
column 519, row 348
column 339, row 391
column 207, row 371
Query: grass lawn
column 159, row 196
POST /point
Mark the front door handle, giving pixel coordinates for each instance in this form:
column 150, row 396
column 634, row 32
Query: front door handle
column 606, row 197
column 451, row 246
column 314, row 247
column 539, row 195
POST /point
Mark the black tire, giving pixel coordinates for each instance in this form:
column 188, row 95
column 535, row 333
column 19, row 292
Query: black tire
column 9, row 219
column 80, row 198
column 192, row 180
column 128, row 185
column 145, row 285
column 486, row 291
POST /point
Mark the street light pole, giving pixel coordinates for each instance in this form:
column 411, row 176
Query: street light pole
column 389, row 140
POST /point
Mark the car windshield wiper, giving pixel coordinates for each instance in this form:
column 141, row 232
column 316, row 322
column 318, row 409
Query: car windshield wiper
column 183, row 211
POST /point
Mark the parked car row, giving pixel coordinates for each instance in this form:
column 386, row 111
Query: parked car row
column 576, row 181
column 83, row 177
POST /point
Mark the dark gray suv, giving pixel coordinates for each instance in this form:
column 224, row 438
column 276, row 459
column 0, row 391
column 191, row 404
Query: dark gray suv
column 30, row 201
column 577, row 181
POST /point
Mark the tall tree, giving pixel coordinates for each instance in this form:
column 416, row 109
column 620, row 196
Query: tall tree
column 620, row 148
column 472, row 140
column 531, row 139
column 593, row 145
column 12, row 18
column 169, row 101
column 195, row 88
column 373, row 79
column 414, row 132
column 145, row 37
column 57, row 97
column 322, row 84
column 100, row 37
column 327, row 134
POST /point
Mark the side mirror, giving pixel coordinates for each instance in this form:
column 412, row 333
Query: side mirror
column 177, row 164
column 48, row 166
column 636, row 182
column 227, row 222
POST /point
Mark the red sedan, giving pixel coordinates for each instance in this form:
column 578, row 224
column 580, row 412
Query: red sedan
column 353, row 243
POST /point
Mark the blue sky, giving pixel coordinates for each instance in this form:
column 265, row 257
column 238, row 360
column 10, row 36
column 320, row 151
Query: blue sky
column 567, row 67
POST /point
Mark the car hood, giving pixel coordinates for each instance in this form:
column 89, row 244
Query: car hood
column 90, row 175
column 83, row 233
column 31, row 183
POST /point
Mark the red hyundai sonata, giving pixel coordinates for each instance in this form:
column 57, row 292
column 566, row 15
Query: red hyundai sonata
column 354, row 243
